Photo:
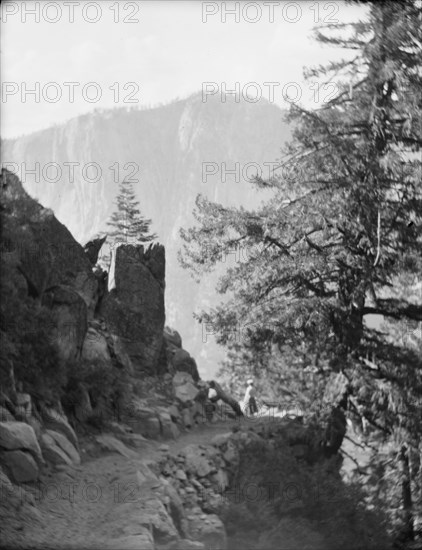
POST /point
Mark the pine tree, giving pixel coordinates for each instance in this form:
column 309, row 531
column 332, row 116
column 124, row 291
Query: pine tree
column 329, row 248
column 130, row 226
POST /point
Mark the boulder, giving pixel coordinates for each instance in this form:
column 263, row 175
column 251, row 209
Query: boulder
column 52, row 452
column 65, row 445
column 21, row 465
column 197, row 461
column 55, row 420
column 141, row 418
column 19, row 435
column 169, row 430
column 154, row 515
column 182, row 361
column 134, row 305
column 184, row 387
column 172, row 337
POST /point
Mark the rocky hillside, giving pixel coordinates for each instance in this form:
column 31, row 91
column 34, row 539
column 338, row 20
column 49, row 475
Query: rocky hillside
column 174, row 152
column 107, row 436
column 70, row 345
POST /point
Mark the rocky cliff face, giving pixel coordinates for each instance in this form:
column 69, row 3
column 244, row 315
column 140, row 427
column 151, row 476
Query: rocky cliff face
column 69, row 339
column 171, row 153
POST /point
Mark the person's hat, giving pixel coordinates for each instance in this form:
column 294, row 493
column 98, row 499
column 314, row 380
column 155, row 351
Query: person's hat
column 250, row 381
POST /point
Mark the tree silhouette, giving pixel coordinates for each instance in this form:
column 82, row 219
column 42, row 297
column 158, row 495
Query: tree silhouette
column 129, row 224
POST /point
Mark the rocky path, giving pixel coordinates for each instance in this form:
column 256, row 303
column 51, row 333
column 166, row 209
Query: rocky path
column 89, row 506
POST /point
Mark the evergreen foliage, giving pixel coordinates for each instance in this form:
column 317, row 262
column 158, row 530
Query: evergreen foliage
column 338, row 235
column 130, row 226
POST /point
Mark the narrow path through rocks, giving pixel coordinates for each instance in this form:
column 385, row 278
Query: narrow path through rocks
column 77, row 504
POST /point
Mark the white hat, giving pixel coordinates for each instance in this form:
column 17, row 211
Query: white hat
column 250, row 381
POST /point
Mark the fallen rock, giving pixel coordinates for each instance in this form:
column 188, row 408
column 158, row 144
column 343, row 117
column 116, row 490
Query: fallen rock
column 19, row 435
column 184, row 387
column 21, row 465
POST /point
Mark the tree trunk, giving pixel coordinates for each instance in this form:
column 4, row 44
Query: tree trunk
column 415, row 464
column 234, row 404
column 406, row 494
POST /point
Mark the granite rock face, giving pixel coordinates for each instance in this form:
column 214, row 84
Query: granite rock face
column 134, row 306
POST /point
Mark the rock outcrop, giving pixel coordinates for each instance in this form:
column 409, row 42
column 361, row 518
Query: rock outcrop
column 134, row 306
column 19, row 435
column 117, row 362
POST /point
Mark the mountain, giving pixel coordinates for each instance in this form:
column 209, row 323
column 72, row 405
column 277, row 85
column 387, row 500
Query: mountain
column 175, row 151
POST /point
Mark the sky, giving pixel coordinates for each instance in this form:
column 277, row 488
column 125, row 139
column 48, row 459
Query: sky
column 136, row 54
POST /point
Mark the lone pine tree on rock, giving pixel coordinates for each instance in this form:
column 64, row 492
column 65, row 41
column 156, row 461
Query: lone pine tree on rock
column 130, row 226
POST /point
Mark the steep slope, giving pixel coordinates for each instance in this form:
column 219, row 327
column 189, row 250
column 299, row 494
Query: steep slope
column 181, row 149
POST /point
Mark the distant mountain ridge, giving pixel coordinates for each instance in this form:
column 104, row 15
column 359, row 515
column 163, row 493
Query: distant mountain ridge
column 175, row 152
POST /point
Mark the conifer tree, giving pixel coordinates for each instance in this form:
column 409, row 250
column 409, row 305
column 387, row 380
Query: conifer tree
column 130, row 226
column 330, row 247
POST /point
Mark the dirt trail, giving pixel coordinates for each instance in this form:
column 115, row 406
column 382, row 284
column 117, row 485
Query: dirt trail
column 78, row 503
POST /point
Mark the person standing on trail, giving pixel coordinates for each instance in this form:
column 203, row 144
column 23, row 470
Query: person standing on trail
column 250, row 399
column 213, row 397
